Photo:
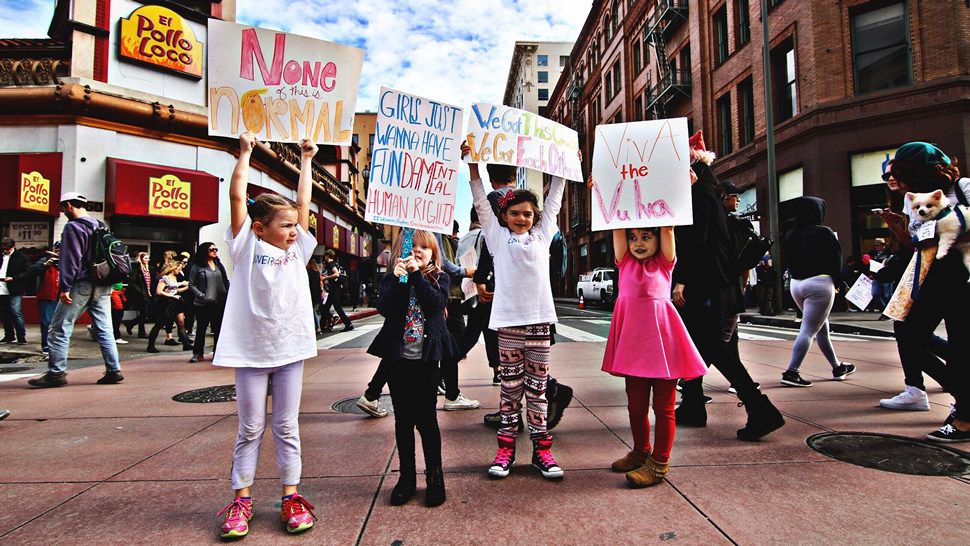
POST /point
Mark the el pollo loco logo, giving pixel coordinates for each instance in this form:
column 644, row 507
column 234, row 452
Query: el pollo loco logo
column 159, row 36
column 35, row 191
column 169, row 196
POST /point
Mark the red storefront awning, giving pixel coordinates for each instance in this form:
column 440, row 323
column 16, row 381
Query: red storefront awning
column 143, row 189
column 31, row 182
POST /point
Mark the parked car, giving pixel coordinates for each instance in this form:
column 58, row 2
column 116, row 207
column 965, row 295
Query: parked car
column 597, row 286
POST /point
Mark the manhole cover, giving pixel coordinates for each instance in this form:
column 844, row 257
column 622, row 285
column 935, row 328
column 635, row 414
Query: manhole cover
column 222, row 393
column 349, row 405
column 14, row 357
column 15, row 369
column 891, row 453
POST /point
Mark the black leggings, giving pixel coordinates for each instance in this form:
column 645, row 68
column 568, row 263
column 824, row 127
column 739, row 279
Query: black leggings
column 204, row 316
column 449, row 365
column 414, row 392
column 333, row 300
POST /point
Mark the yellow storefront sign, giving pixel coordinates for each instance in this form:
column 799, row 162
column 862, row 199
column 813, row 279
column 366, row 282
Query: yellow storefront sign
column 336, row 237
column 161, row 37
column 35, row 191
column 169, row 196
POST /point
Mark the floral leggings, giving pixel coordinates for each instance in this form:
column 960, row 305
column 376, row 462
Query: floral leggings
column 524, row 369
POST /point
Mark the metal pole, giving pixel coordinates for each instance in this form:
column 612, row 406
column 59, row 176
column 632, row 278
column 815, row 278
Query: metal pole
column 773, row 228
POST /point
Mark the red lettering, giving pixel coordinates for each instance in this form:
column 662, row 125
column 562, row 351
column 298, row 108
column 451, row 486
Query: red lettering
column 252, row 50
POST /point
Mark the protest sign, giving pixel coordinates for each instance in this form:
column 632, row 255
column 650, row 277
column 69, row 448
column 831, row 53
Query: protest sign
column 641, row 175
column 509, row 136
column 414, row 162
column 861, row 292
column 281, row 87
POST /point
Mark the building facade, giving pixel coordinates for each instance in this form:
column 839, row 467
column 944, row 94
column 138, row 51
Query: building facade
column 84, row 110
column 851, row 81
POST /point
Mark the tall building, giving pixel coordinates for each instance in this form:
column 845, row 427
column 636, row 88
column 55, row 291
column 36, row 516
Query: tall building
column 851, row 81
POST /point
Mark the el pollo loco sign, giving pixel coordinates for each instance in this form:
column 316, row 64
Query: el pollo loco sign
column 169, row 196
column 35, row 191
column 161, row 37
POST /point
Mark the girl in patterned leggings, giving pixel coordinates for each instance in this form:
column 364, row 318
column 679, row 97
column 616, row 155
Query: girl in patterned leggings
column 522, row 311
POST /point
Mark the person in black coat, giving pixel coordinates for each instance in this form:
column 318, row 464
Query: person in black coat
column 14, row 264
column 209, row 286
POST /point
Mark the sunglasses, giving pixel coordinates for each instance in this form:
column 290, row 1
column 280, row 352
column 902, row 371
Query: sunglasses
column 213, row 250
column 886, row 176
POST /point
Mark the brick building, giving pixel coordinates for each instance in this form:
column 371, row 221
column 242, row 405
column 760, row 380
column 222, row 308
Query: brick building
column 852, row 80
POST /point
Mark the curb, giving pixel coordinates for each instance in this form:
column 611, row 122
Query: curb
column 837, row 327
column 361, row 314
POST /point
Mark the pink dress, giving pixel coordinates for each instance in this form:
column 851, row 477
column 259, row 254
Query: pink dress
column 647, row 336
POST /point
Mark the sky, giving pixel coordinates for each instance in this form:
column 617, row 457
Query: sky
column 457, row 52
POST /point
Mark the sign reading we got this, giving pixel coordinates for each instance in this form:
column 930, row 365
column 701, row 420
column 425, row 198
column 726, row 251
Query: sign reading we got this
column 169, row 196
column 35, row 191
column 160, row 37
column 509, row 136
column 640, row 175
column 414, row 162
column 281, row 87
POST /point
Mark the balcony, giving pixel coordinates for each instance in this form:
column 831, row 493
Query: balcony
column 674, row 84
column 666, row 17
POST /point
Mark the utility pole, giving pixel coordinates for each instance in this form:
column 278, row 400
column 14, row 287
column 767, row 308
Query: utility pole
column 773, row 228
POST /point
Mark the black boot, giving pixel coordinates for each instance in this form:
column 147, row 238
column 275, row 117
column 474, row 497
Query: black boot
column 434, row 495
column 763, row 419
column 404, row 490
column 151, row 348
column 691, row 413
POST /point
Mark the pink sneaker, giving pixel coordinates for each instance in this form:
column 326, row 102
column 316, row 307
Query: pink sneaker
column 297, row 514
column 238, row 513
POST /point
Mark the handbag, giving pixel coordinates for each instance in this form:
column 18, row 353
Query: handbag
column 752, row 251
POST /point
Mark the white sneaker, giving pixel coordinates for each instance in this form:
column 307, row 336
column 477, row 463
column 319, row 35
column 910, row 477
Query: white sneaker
column 119, row 341
column 372, row 407
column 911, row 398
column 461, row 403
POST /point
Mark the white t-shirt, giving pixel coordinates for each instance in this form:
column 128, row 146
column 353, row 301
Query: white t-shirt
column 915, row 219
column 269, row 317
column 523, row 293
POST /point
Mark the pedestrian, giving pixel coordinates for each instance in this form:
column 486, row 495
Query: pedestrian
column 411, row 343
column 814, row 258
column 168, row 305
column 881, row 291
column 118, row 300
column 78, row 294
column 649, row 347
column 316, row 291
column 765, row 287
column 13, row 263
column 362, row 297
column 209, row 285
column 267, row 334
column 522, row 312
column 188, row 309
column 455, row 320
column 336, row 279
column 47, row 291
column 140, row 293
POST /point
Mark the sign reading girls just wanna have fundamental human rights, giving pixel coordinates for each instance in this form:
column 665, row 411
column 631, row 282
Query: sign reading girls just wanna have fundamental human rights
column 414, row 162
column 509, row 136
column 281, row 87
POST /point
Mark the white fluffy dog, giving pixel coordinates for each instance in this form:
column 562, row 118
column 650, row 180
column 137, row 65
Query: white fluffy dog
column 929, row 206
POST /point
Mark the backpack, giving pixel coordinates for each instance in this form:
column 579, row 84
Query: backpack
column 107, row 258
column 749, row 245
column 341, row 279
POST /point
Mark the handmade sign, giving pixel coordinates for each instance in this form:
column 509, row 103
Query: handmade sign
column 414, row 162
column 281, row 87
column 860, row 294
column 509, row 136
column 641, row 175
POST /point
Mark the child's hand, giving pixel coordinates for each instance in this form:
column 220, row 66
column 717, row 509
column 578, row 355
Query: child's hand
column 399, row 269
column 589, row 182
column 465, row 149
column 309, row 148
column 411, row 264
column 579, row 154
column 484, row 296
column 693, row 176
column 247, row 141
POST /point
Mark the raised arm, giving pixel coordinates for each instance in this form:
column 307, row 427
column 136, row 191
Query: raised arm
column 668, row 245
column 486, row 216
column 304, row 189
column 551, row 206
column 237, row 184
column 620, row 244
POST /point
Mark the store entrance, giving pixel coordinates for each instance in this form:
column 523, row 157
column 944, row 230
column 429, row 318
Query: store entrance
column 155, row 236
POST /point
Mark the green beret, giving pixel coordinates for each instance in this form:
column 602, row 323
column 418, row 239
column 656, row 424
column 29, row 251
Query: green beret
column 921, row 153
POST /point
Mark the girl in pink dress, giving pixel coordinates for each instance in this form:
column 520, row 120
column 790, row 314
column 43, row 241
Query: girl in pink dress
column 649, row 347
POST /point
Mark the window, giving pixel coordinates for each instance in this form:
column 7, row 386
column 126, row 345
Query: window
column 721, row 34
column 617, row 82
column 638, row 109
column 618, row 118
column 608, row 86
column 543, row 93
column 355, row 139
column 746, row 112
column 784, row 80
column 685, row 60
column 542, row 60
column 646, row 51
column 723, row 106
column 742, row 23
column 563, row 60
column 637, row 58
column 616, row 17
column 880, row 49
column 370, row 141
column 608, row 27
column 543, row 76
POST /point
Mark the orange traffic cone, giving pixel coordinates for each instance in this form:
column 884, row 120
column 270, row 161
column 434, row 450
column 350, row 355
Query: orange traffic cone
column 582, row 304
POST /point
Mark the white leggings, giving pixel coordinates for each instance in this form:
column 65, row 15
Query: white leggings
column 251, row 393
column 814, row 296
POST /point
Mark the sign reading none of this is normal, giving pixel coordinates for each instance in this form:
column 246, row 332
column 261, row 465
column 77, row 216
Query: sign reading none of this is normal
column 281, row 87
column 169, row 196
column 509, row 136
column 414, row 163
column 641, row 175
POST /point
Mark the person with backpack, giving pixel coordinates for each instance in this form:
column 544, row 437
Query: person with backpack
column 336, row 279
column 79, row 292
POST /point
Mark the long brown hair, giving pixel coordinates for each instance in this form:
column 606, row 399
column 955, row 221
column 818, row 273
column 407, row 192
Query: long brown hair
column 266, row 206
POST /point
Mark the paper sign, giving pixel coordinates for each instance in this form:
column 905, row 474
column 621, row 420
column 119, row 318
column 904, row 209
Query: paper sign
column 861, row 292
column 281, row 87
column 641, row 175
column 29, row 233
column 509, row 136
column 927, row 231
column 414, row 162
column 467, row 260
column 875, row 266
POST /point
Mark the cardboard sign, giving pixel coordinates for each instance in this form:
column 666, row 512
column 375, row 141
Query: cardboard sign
column 281, row 87
column 159, row 37
column 169, row 196
column 509, row 136
column 35, row 191
column 414, row 162
column 29, row 233
column 641, row 175
column 860, row 294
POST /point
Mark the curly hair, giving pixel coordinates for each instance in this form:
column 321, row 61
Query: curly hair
column 516, row 197
column 921, row 178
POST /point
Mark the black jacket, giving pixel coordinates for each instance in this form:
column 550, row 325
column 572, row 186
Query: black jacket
column 198, row 282
column 392, row 302
column 810, row 248
column 17, row 269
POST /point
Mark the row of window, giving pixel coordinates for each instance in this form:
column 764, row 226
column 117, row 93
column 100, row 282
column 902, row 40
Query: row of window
column 543, row 60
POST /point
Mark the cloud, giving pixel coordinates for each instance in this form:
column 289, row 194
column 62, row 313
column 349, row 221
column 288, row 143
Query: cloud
column 25, row 18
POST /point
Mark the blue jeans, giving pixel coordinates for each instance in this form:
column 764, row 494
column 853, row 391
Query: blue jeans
column 13, row 317
column 96, row 300
column 46, row 308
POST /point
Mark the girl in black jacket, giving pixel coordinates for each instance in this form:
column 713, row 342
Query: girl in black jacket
column 411, row 343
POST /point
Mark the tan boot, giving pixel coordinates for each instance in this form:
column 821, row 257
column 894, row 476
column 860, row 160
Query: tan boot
column 651, row 473
column 631, row 461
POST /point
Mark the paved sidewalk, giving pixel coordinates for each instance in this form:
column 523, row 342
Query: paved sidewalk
column 126, row 464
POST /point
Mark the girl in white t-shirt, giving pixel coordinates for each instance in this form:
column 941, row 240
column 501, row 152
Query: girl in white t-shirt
column 522, row 312
column 267, row 334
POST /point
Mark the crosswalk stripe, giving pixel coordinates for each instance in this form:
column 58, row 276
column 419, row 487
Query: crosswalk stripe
column 597, row 321
column 575, row 334
column 344, row 337
column 16, row 376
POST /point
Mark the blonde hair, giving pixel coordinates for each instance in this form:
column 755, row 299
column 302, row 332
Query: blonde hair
column 266, row 206
column 169, row 267
column 423, row 238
